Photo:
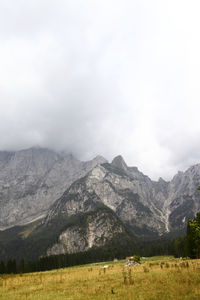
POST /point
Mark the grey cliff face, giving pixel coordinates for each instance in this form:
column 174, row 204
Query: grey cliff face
column 40, row 183
column 143, row 205
column 98, row 228
column 128, row 197
column 31, row 180
column 184, row 199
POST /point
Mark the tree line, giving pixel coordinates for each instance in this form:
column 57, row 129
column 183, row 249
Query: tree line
column 188, row 245
column 174, row 247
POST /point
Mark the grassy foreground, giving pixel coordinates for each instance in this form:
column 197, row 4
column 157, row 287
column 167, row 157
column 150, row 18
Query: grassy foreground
column 156, row 278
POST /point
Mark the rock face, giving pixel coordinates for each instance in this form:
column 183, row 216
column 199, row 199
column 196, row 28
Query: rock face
column 96, row 230
column 89, row 203
column 31, row 180
column 184, row 198
column 146, row 207
column 127, row 192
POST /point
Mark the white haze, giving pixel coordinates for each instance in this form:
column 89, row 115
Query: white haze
column 103, row 77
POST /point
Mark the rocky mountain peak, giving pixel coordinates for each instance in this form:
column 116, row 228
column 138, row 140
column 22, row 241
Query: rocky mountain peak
column 94, row 201
column 119, row 163
column 193, row 170
column 100, row 159
column 161, row 180
column 32, row 179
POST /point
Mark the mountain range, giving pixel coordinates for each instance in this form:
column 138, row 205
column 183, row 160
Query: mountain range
column 52, row 203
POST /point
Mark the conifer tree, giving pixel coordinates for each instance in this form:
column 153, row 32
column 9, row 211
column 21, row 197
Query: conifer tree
column 193, row 237
column 2, row 267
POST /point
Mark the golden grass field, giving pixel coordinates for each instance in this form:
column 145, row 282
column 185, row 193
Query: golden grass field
column 156, row 278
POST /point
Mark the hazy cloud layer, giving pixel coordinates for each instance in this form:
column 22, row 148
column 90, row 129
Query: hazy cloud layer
column 103, row 77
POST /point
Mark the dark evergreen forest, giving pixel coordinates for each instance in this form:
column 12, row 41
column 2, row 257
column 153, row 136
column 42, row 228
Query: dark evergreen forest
column 187, row 245
column 174, row 247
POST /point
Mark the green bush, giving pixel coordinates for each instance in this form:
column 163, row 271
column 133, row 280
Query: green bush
column 136, row 258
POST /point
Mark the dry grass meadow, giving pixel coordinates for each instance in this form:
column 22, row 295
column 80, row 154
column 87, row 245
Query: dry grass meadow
column 156, row 278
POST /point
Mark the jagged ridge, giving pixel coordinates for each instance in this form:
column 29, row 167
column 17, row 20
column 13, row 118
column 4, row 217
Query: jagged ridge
column 144, row 207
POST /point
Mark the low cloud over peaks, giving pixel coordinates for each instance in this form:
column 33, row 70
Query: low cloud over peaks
column 105, row 78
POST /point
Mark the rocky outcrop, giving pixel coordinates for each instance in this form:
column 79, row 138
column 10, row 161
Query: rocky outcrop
column 96, row 229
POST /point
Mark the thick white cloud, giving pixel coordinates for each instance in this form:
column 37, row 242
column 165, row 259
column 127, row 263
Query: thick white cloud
column 103, row 77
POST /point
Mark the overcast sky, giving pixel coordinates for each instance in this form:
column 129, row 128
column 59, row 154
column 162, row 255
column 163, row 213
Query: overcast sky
column 103, row 77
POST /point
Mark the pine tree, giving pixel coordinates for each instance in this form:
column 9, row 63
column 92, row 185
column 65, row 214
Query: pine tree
column 11, row 266
column 193, row 237
column 21, row 266
column 2, row 267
